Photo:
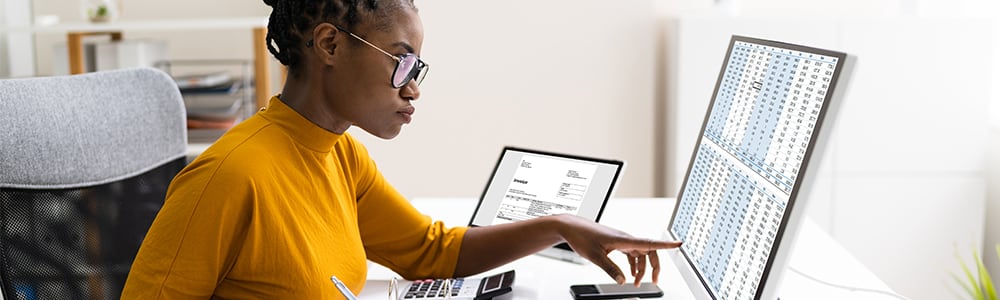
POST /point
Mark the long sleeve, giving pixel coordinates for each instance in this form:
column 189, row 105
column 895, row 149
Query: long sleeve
column 398, row 236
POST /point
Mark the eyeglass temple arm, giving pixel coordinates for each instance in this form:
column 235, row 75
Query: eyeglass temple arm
column 369, row 44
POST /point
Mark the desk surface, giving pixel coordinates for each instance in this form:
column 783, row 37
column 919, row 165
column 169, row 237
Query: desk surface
column 816, row 254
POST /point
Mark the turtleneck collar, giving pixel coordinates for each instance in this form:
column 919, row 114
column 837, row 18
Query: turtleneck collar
column 298, row 127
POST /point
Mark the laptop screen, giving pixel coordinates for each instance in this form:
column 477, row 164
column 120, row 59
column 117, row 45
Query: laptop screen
column 528, row 184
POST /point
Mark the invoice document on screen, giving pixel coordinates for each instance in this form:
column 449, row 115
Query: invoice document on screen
column 544, row 186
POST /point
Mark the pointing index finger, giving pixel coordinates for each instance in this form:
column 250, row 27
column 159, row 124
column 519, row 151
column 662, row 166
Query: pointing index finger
column 646, row 244
column 657, row 244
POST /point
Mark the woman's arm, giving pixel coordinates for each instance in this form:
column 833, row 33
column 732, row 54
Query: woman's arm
column 487, row 247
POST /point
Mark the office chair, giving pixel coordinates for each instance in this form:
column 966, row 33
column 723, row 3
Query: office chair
column 85, row 162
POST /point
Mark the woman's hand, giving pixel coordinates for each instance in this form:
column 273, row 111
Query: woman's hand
column 487, row 247
column 594, row 241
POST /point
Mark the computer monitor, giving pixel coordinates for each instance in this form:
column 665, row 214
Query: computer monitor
column 736, row 211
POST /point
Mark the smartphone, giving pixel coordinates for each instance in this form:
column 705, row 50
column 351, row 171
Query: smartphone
column 614, row 291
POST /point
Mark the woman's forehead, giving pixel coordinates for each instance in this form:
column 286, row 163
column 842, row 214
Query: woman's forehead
column 402, row 26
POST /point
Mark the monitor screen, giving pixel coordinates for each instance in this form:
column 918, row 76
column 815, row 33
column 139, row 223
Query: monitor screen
column 755, row 144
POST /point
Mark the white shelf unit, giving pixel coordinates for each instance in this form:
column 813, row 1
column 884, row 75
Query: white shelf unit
column 219, row 105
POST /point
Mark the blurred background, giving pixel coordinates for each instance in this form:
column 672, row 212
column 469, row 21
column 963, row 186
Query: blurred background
column 909, row 183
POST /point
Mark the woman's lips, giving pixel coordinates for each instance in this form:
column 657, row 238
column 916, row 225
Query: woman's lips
column 407, row 114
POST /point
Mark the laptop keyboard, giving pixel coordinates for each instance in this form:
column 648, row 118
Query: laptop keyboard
column 432, row 289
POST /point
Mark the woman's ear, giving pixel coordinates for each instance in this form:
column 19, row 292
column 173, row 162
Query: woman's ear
column 325, row 40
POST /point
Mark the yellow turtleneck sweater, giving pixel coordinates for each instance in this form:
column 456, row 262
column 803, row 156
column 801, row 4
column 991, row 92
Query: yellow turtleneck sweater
column 273, row 209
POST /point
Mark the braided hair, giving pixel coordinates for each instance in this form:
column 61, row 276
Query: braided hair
column 291, row 18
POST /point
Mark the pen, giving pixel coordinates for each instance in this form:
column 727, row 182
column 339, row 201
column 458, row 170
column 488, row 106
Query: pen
column 343, row 288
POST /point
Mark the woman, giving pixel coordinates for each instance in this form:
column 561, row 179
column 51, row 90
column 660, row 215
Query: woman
column 287, row 198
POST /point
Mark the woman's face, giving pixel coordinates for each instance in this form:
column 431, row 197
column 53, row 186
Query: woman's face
column 364, row 95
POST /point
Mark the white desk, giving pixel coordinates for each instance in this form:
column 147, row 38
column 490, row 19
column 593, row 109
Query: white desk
column 544, row 278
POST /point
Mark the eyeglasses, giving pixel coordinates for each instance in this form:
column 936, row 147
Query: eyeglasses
column 408, row 66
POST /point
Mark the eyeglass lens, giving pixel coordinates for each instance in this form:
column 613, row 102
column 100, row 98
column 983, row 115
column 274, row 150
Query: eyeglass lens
column 409, row 67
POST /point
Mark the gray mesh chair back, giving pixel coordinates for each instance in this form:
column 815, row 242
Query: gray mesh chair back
column 85, row 162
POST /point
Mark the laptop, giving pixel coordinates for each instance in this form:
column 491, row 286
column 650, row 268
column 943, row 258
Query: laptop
column 527, row 184
column 739, row 207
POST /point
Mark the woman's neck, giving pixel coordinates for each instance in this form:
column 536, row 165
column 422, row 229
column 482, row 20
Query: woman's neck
column 309, row 101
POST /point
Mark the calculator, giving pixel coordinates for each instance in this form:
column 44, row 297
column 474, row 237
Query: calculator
column 479, row 288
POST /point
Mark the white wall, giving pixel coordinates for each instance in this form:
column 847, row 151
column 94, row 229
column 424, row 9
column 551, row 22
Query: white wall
column 784, row 8
column 16, row 53
column 991, row 10
column 4, row 59
column 566, row 76
column 992, row 235
column 991, row 238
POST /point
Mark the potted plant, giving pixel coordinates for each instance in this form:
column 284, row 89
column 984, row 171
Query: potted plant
column 977, row 282
column 99, row 14
column 98, row 11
